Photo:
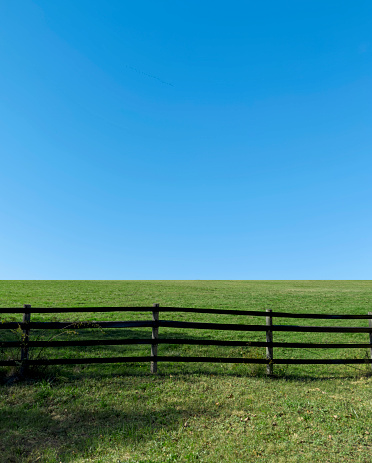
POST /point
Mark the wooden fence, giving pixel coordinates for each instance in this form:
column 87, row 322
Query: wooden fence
column 27, row 325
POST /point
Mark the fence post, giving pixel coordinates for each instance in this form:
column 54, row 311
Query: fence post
column 155, row 334
column 25, row 338
column 370, row 334
column 269, row 338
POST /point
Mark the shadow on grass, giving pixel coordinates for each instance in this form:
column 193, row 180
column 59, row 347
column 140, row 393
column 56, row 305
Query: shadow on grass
column 62, row 423
column 36, row 432
column 88, row 411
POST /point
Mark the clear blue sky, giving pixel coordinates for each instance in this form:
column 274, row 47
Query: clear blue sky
column 185, row 139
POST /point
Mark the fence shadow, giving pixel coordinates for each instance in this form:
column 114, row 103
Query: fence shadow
column 76, row 425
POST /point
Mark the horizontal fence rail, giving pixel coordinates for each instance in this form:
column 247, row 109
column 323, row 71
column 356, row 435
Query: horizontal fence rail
column 269, row 328
column 193, row 342
column 81, row 361
column 74, row 325
column 191, row 325
column 257, row 313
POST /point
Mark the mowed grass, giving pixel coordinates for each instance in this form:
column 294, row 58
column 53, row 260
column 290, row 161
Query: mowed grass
column 191, row 412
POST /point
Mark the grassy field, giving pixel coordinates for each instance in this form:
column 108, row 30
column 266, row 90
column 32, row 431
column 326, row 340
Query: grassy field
column 190, row 412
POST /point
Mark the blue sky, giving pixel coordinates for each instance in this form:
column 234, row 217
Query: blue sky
column 185, row 139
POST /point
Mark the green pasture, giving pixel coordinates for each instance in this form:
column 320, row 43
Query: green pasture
column 188, row 412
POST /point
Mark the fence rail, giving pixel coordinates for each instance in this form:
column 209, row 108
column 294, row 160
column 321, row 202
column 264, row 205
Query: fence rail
column 269, row 328
column 185, row 310
column 175, row 324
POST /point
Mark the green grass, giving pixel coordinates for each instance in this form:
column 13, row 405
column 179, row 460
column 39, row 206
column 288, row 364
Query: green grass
column 191, row 412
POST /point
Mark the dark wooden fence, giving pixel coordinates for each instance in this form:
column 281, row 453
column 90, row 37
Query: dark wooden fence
column 27, row 325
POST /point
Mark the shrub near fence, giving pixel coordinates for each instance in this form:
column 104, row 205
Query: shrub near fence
column 27, row 326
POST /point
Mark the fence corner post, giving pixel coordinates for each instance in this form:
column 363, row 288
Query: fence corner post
column 269, row 338
column 370, row 335
column 25, row 337
column 155, row 335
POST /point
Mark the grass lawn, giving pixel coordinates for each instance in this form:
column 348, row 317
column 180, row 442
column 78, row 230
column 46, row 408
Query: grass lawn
column 191, row 412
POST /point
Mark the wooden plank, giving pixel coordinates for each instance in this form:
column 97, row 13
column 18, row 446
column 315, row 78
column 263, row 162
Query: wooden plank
column 264, row 361
column 269, row 340
column 154, row 335
column 76, row 325
column 25, row 339
column 73, row 361
column 79, row 361
column 261, row 313
column 54, row 310
column 241, row 327
column 194, row 342
column 175, row 324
